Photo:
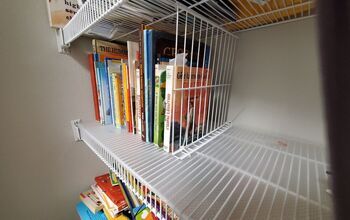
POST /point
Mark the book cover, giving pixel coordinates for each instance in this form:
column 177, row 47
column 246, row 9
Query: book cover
column 159, row 107
column 127, row 103
column 146, row 82
column 94, row 86
column 114, row 193
column 151, row 84
column 91, row 200
column 142, row 84
column 61, row 12
column 109, row 49
column 85, row 214
column 186, row 120
column 133, row 48
column 114, row 178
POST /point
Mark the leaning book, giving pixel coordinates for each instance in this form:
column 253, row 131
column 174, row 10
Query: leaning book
column 186, row 105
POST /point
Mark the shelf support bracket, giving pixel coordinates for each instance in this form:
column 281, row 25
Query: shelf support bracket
column 76, row 130
column 62, row 47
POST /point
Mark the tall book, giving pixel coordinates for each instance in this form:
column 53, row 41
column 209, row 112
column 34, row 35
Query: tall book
column 94, row 86
column 146, row 86
column 127, row 103
column 114, row 69
column 138, row 100
column 61, row 12
column 185, row 109
column 142, row 84
column 133, row 48
column 159, row 108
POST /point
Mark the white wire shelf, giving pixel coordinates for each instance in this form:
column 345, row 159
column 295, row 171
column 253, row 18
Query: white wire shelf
column 120, row 19
column 239, row 174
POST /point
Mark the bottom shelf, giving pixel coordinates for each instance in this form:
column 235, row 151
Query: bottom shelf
column 239, row 174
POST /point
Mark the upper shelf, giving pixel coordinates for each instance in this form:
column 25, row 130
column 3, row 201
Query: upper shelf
column 239, row 174
column 116, row 19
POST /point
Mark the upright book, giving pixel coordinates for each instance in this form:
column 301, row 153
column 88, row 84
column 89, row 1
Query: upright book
column 185, row 108
column 133, row 49
column 142, row 84
column 127, row 103
column 94, row 86
column 159, row 107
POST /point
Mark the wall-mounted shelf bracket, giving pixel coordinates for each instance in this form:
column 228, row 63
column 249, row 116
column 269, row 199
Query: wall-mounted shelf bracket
column 62, row 47
column 76, row 131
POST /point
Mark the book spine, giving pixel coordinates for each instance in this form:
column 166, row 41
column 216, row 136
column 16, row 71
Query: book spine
column 151, row 83
column 99, row 91
column 119, row 101
column 105, row 94
column 138, row 102
column 168, row 109
column 126, row 88
column 146, row 80
column 142, row 88
column 94, row 86
column 111, row 92
column 156, row 137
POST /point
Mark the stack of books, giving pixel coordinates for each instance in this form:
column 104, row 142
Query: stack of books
column 109, row 199
column 136, row 87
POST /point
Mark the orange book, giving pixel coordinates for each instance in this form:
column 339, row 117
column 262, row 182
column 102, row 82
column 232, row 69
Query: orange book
column 127, row 104
column 94, row 86
column 114, row 193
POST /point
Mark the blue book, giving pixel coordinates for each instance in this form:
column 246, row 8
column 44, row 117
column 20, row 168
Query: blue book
column 111, row 90
column 151, row 83
column 146, row 63
column 85, row 213
column 106, row 99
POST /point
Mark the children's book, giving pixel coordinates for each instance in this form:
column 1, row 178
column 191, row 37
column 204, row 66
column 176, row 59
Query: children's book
column 61, row 12
column 133, row 49
column 142, row 83
column 138, row 101
column 91, row 200
column 114, row 193
column 126, row 92
column 185, row 120
column 146, row 85
column 94, row 86
column 85, row 214
column 159, row 108
column 109, row 207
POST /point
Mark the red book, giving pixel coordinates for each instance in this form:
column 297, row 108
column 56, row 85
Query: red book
column 115, row 193
column 94, row 86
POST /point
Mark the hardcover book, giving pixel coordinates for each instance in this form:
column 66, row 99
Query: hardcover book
column 127, row 103
column 94, row 86
column 146, row 86
column 133, row 48
column 91, row 200
column 85, row 214
column 142, row 84
column 186, row 120
column 159, row 108
column 61, row 12
column 138, row 101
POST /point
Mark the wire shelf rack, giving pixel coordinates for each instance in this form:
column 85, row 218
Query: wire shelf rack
column 240, row 174
column 120, row 19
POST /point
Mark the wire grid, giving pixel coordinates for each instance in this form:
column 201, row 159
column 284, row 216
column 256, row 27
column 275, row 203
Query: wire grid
column 121, row 19
column 202, row 79
column 241, row 174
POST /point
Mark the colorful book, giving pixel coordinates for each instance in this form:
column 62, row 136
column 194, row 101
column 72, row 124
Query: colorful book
column 184, row 123
column 159, row 108
column 142, row 84
column 61, row 12
column 85, row 213
column 91, row 200
column 114, row 178
column 94, row 86
column 138, row 101
column 126, row 92
column 106, row 98
column 150, row 83
column 109, row 207
column 133, row 49
column 114, row 193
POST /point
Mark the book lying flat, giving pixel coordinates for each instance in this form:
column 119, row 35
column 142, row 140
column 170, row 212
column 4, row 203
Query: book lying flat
column 85, row 213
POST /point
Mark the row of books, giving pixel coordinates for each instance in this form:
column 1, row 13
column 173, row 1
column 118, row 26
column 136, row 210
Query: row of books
column 109, row 199
column 140, row 87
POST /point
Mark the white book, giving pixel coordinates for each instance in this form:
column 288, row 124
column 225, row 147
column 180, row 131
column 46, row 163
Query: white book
column 133, row 48
column 138, row 102
column 168, row 107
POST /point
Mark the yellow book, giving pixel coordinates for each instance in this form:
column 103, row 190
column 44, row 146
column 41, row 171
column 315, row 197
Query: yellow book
column 118, row 217
column 127, row 104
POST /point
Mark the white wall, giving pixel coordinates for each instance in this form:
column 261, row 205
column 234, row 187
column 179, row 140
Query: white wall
column 42, row 170
column 277, row 81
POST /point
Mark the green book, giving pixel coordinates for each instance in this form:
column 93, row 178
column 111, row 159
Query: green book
column 159, row 105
